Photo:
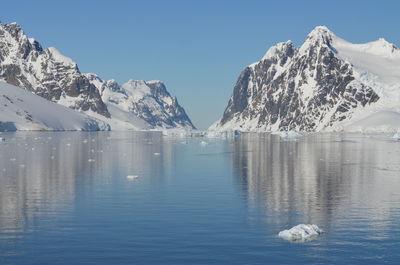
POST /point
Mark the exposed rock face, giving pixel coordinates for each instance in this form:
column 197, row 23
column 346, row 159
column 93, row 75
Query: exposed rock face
column 172, row 114
column 55, row 77
column 46, row 72
column 305, row 89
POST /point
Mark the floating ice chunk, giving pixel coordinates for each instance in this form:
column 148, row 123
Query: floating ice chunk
column 301, row 232
column 132, row 177
column 2, row 139
column 156, row 154
column 203, row 143
column 396, row 136
column 91, row 160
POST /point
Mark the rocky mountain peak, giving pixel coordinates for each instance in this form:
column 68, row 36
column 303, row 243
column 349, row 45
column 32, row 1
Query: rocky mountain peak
column 13, row 29
column 320, row 36
column 281, row 49
column 318, row 86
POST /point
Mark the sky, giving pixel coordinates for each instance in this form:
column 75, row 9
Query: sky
column 197, row 48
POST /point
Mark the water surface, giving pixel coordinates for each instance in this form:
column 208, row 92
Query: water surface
column 65, row 199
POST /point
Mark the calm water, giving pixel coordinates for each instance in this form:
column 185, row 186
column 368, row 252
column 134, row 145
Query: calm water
column 65, row 199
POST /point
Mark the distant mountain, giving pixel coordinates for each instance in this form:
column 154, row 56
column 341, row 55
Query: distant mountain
column 55, row 77
column 23, row 110
column 326, row 84
column 144, row 103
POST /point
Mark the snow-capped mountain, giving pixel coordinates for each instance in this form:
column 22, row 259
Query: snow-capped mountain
column 55, row 77
column 23, row 110
column 45, row 72
column 326, row 84
column 143, row 104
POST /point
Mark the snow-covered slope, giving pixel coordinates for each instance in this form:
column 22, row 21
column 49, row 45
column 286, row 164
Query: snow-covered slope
column 53, row 76
column 326, row 84
column 380, row 121
column 23, row 110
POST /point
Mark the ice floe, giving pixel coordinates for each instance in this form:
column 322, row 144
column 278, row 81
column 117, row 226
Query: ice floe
column 301, row 232
column 132, row 177
column 203, row 143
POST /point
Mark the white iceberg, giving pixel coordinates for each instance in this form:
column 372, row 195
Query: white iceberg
column 132, row 177
column 301, row 233
column 396, row 136
column 203, row 143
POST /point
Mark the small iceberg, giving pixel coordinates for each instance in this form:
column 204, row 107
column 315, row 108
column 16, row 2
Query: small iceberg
column 301, row 233
column 156, row 154
column 132, row 177
column 396, row 136
column 2, row 139
column 203, row 143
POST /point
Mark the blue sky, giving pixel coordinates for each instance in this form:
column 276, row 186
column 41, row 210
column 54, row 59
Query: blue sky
column 198, row 48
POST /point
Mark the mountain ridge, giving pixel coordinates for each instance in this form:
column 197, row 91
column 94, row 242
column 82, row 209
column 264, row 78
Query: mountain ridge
column 50, row 74
column 318, row 86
